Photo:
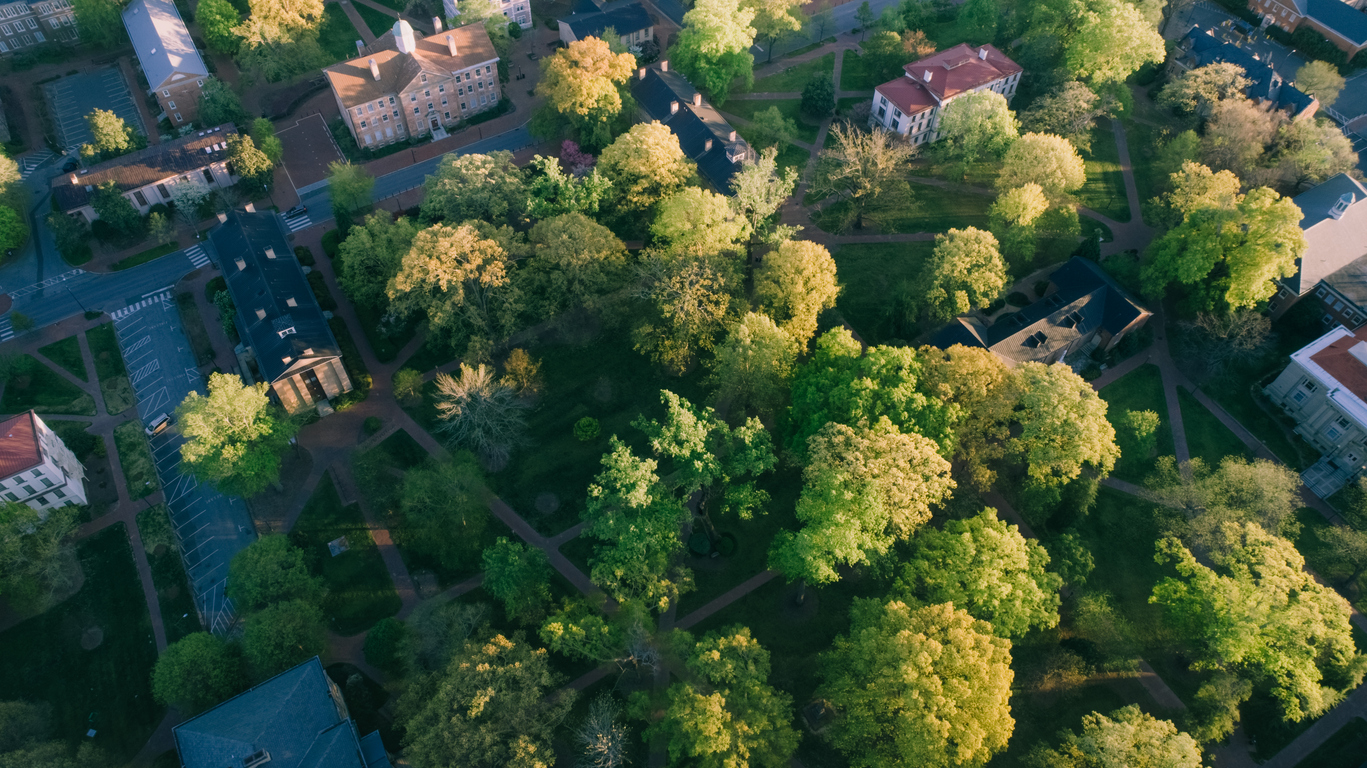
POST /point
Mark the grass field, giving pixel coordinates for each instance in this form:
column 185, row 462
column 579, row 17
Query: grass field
column 385, row 346
column 360, row 591
column 338, row 35
column 67, row 354
column 1139, row 390
column 791, row 156
column 1239, row 399
column 1343, row 750
column 795, row 78
column 1207, row 438
column 108, row 687
column 791, row 108
column 934, row 210
column 115, row 388
column 34, row 385
column 1104, row 190
column 139, row 259
column 856, row 73
column 872, row 277
column 136, row 458
column 178, row 613
column 378, row 22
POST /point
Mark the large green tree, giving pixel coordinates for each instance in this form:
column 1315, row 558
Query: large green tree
column 714, row 47
column 350, row 185
column 280, row 38
column 976, row 126
column 552, row 192
column 866, row 168
column 1128, row 737
column 219, row 104
column 697, row 222
column 36, row 557
column 116, row 211
column 218, row 18
column 195, row 673
column 235, row 436
column 248, row 162
column 371, row 256
column 283, row 635
column 1061, row 425
column 644, row 165
column 759, row 190
column 519, row 576
column 1260, row 491
column 485, row 187
column 1197, row 91
column 754, row 365
column 1111, row 40
column 110, row 137
column 583, row 87
column 1321, row 80
column 927, row 687
column 775, row 21
column 577, row 262
column 445, row 512
column 1070, row 111
column 964, row 272
column 691, row 298
column 268, row 571
column 1043, row 159
column 100, row 22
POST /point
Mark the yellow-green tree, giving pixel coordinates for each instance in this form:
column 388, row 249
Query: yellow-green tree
column 235, row 436
column 796, row 284
column 645, row 164
column 1044, row 159
column 714, row 47
column 964, row 272
column 582, row 83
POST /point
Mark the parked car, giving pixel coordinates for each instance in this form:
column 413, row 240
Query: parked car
column 70, row 165
column 298, row 210
column 158, row 425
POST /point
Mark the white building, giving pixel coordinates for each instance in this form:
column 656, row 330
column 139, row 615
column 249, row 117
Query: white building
column 37, row 467
column 911, row 104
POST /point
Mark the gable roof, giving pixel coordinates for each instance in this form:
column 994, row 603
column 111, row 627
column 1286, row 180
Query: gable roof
column 1206, row 47
column 693, row 124
column 161, row 41
column 961, row 68
column 354, row 83
column 146, row 166
column 1340, row 17
column 625, row 18
column 1332, row 244
column 19, row 446
column 262, row 290
column 295, row 716
column 1087, row 298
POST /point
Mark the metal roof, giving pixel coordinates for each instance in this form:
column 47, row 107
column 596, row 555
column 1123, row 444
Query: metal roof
column 162, row 42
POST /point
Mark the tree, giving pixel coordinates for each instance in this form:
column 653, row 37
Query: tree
column 110, row 137
column 445, row 512
column 821, row 20
column 1310, row 151
column 868, row 169
column 518, row 575
column 408, row 386
column 925, row 686
column 753, row 365
column 384, row 645
column 1237, row 135
column 864, row 14
column 1215, row 342
column 1129, row 737
column 914, row 41
column 582, row 83
column 280, row 38
column 350, row 186
column 71, row 234
column 248, row 162
column 979, row 19
column 1043, row 159
column 485, row 187
column 1321, row 80
column 771, row 129
column 884, row 53
column 1215, row 710
column 1346, row 549
column 22, row 724
column 187, row 198
column 218, row 104
column 1069, row 111
column 714, row 47
column 371, row 256
column 987, row 568
column 235, row 436
column 981, row 386
column 578, row 262
column 1138, row 434
column 100, row 22
column 1072, row 559
column 818, row 96
column 36, row 556
column 602, row 739
column 1262, row 615
column 975, row 126
column 726, row 713
column 218, row 18
column 644, row 165
column 1244, row 249
column 696, row 222
column 271, row 570
column 1237, row 491
column 283, row 635
column 552, row 192
column 480, row 413
column 691, row 297
column 1197, row 91
column 759, row 190
column 964, row 272
column 195, row 673
column 775, row 20
column 1195, row 187
column 13, row 230
column 1112, row 41
column 1012, row 219
column 460, row 278
column 494, row 704
column 1063, row 425
column 263, row 133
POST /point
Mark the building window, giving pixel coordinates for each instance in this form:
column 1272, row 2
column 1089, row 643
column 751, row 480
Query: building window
column 209, row 175
column 384, row 118
column 368, row 108
column 142, row 201
column 28, row 490
column 894, row 125
column 447, row 115
column 1299, row 397
column 11, row 497
column 424, row 78
column 462, row 105
column 165, row 93
column 412, row 97
column 441, row 88
column 488, row 70
column 415, row 110
column 391, row 101
column 1327, row 319
column 58, row 493
column 171, row 104
column 460, row 91
column 430, row 108
column 200, row 83
column 1309, row 386
column 47, row 483
column 427, row 94
column 1343, row 424
column 1332, row 433
column 161, row 190
column 42, row 500
column 179, row 118
column 363, row 125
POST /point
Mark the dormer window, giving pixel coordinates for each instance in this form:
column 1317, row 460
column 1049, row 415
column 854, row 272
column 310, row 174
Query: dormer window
column 270, row 253
column 259, row 757
column 424, row 78
column 260, row 314
column 290, row 302
column 1341, row 207
column 286, row 331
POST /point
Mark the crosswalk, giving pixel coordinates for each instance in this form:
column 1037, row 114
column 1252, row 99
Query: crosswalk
column 120, row 314
column 6, row 329
column 51, row 281
column 299, row 222
column 197, row 256
column 29, row 164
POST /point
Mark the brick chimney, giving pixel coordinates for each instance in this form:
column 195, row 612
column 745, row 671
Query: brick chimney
column 707, row 146
column 664, row 65
column 451, row 45
column 697, row 99
column 673, row 107
column 374, row 69
column 436, row 24
column 641, row 73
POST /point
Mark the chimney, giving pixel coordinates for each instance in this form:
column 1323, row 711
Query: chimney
column 641, row 73
column 928, row 73
column 360, row 47
column 222, row 218
column 697, row 99
column 451, row 45
column 403, row 37
column 664, row 65
column 982, row 53
column 673, row 107
column 707, row 146
column 732, row 136
column 436, row 24
column 241, row 264
column 251, row 208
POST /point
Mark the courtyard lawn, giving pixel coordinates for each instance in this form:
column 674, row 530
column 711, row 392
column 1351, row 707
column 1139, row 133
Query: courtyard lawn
column 115, row 388
column 136, row 458
column 856, row 73
column 337, row 35
column 67, row 354
column 934, row 210
column 795, row 78
column 90, row 656
column 379, row 22
column 1343, row 750
column 1104, row 190
column 178, row 612
column 1247, row 404
column 790, row 156
column 360, row 591
column 1139, row 390
column 791, row 108
column 1207, row 438
column 386, row 346
column 34, row 385
column 873, row 277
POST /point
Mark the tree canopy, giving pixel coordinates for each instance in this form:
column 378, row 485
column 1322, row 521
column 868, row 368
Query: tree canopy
column 1063, row 425
column 795, row 284
column 371, row 256
column 235, row 436
column 578, row 262
column 484, row 187
column 963, row 273
column 645, row 164
column 754, row 365
column 976, row 126
column 714, row 46
column 1127, row 737
column 583, row 83
column 195, row 673
column 271, row 570
column 1043, row 159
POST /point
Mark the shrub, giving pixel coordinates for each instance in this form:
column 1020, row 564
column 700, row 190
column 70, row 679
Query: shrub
column 384, row 643
column 1017, row 299
column 818, row 96
column 371, row 425
column 331, row 240
column 20, row 322
column 304, row 255
column 586, row 429
column 408, row 386
column 514, row 30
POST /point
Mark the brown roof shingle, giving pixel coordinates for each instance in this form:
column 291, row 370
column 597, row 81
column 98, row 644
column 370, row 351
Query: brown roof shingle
column 354, row 84
column 19, row 449
column 146, row 166
column 961, row 68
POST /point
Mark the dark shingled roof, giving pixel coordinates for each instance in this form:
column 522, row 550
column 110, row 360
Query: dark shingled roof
column 1207, row 48
column 294, row 716
column 269, row 284
column 693, row 125
column 1340, row 17
column 1334, row 246
column 1086, row 298
column 146, row 166
column 625, row 18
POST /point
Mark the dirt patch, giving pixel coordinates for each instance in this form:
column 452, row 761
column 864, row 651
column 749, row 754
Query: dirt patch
column 602, row 390
column 91, row 638
column 547, row 503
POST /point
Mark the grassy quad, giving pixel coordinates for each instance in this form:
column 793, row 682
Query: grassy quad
column 179, row 615
column 115, row 387
column 1104, row 190
column 67, row 354
column 1207, row 438
column 136, row 458
column 1139, row 390
column 794, row 78
column 791, row 108
column 872, row 279
column 33, row 384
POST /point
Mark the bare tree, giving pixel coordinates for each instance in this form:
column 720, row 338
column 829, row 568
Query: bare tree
column 188, row 195
column 869, row 169
column 602, row 735
column 481, row 413
column 1214, row 342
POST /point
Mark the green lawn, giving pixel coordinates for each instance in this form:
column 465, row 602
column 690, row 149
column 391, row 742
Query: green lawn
column 1139, row 390
column 795, row 78
column 378, row 22
column 338, row 35
column 139, row 259
column 1142, row 140
column 1207, row 438
column 360, row 591
column 108, row 688
column 1246, row 403
column 353, row 363
column 178, row 613
column 856, row 73
column 873, row 277
column 792, row 156
column 1104, row 190
column 934, row 210
column 791, row 108
column 386, row 346
column 115, row 388
column 66, row 353
column 75, row 436
column 34, row 385
column 136, row 459
column 1343, row 750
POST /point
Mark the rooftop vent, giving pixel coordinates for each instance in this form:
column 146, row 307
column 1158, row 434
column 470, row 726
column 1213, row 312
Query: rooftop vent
column 270, row 253
column 641, row 73
column 241, row 264
column 707, row 146
column 222, row 218
column 664, row 65
column 290, row 302
column 1035, row 339
column 1341, row 207
column 260, row 314
column 250, row 208
column 259, row 757
column 731, row 136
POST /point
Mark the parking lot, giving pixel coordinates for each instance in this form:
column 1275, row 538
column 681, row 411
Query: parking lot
column 209, row 526
column 73, row 97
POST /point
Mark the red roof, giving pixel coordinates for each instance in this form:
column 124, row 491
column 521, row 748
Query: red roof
column 961, row 68
column 19, row 444
column 910, row 97
column 1338, row 361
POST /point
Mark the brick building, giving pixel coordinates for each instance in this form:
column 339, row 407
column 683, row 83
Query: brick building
column 1342, row 23
column 24, row 24
column 911, row 104
column 175, row 72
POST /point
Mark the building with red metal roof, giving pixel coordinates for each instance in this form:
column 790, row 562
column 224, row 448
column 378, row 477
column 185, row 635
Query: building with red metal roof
column 36, row 467
column 911, row 104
